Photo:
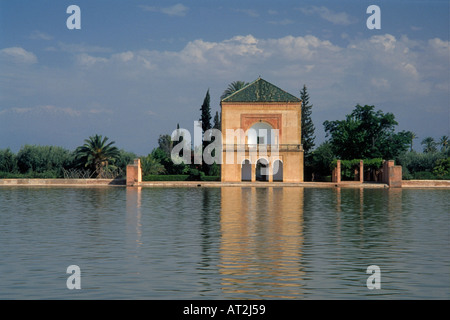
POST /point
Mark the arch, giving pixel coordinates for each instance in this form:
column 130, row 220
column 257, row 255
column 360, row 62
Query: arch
column 246, row 170
column 262, row 169
column 277, row 168
column 261, row 133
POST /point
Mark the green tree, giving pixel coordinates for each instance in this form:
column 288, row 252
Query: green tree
column 321, row 159
column 232, row 88
column 123, row 159
column 206, row 113
column 8, row 161
column 206, row 125
column 411, row 137
column 216, row 121
column 443, row 142
column 43, row 159
column 429, row 145
column 366, row 134
column 165, row 160
column 307, row 125
column 97, row 153
column 174, row 143
column 395, row 144
column 165, row 143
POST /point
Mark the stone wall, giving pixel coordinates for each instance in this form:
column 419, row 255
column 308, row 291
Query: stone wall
column 134, row 173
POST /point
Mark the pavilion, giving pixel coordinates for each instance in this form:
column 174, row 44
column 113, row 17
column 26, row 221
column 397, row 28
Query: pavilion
column 261, row 125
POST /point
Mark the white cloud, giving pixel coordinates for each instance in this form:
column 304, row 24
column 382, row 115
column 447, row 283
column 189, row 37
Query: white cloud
column 387, row 41
column 178, row 10
column 401, row 63
column 441, row 47
column 99, row 111
column 338, row 18
column 395, row 74
column 250, row 12
column 18, row 55
column 124, row 56
column 87, row 60
column 47, row 109
column 38, row 35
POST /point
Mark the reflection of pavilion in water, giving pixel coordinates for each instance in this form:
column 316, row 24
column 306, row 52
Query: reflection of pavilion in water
column 266, row 233
column 262, row 240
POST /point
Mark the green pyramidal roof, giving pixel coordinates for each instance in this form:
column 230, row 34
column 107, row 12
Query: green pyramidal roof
column 261, row 91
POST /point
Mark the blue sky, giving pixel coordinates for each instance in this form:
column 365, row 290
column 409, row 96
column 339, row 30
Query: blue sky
column 137, row 68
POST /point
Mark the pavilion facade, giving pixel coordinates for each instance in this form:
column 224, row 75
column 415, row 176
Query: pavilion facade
column 261, row 127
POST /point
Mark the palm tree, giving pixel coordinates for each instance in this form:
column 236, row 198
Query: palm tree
column 411, row 136
column 232, row 88
column 444, row 143
column 151, row 165
column 429, row 145
column 96, row 154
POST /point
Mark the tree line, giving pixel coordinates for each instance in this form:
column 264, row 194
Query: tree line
column 365, row 133
column 96, row 158
column 368, row 134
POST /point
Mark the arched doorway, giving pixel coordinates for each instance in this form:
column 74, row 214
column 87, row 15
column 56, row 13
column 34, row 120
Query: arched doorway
column 277, row 170
column 261, row 133
column 246, row 170
column 262, row 170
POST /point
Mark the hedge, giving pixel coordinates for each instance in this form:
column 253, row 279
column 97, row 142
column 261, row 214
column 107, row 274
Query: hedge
column 161, row 177
column 30, row 175
column 211, row 178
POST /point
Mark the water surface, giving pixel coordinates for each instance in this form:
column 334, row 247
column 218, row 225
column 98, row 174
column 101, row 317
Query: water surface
column 224, row 243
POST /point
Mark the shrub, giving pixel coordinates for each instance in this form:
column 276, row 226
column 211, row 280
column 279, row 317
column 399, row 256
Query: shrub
column 321, row 158
column 29, row 175
column 442, row 167
column 41, row 159
column 406, row 175
column 8, row 161
column 156, row 177
column 424, row 175
column 418, row 162
column 196, row 175
column 211, row 178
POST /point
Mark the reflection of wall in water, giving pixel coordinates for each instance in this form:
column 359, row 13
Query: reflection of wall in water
column 133, row 215
column 358, row 211
column 262, row 238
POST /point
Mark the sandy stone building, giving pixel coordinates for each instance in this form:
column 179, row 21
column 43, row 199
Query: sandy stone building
column 261, row 127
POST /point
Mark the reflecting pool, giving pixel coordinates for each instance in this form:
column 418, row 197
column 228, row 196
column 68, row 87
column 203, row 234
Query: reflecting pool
column 224, row 243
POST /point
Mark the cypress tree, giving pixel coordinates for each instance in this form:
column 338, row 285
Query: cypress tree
column 217, row 124
column 174, row 143
column 307, row 125
column 206, row 125
column 206, row 113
